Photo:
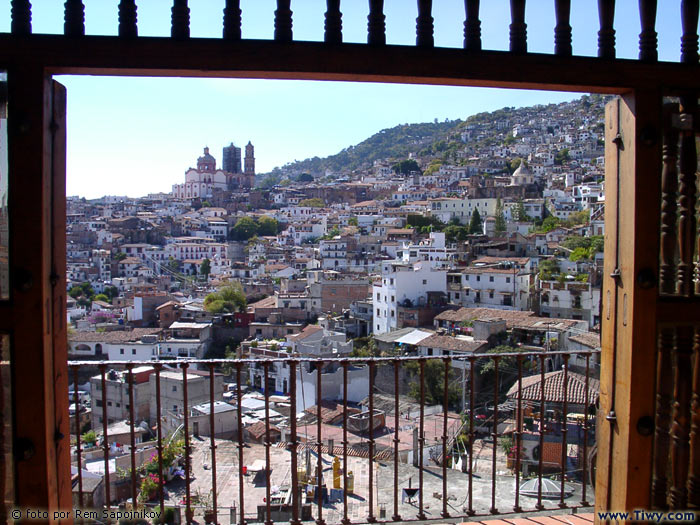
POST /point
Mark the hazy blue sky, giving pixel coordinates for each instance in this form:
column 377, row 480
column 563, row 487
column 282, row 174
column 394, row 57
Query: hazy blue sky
column 138, row 135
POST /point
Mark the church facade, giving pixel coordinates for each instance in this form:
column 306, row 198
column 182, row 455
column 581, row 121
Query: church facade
column 200, row 182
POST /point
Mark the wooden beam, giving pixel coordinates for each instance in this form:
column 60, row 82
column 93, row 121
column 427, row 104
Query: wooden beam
column 633, row 184
column 150, row 56
column 32, row 313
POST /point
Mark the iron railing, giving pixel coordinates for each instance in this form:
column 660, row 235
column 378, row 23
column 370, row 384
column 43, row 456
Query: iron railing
column 454, row 440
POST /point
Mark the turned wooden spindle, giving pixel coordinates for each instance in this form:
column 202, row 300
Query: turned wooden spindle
column 283, row 21
column 518, row 27
column 562, row 31
column 647, row 38
column 606, row 35
column 472, row 26
column 128, row 27
column 680, row 429
column 694, row 475
column 687, row 214
column 232, row 20
column 74, row 18
column 21, row 15
column 376, row 26
column 424, row 24
column 664, row 402
column 689, row 40
column 180, row 20
column 333, row 27
column 669, row 202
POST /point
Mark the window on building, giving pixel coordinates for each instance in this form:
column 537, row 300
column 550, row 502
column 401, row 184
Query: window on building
column 379, row 296
column 490, row 278
column 425, row 281
column 490, row 295
column 121, row 351
column 98, row 403
column 174, row 388
column 378, row 313
column 393, row 313
column 393, row 298
column 478, row 278
column 391, row 281
column 507, row 279
column 133, row 351
column 109, row 403
column 456, row 296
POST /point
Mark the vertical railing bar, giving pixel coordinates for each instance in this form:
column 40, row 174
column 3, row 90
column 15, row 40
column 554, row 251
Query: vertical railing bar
column 132, row 437
column 78, row 450
column 283, row 21
column 376, row 26
column 424, row 24
column 421, row 440
column 470, row 509
column 584, row 483
column 268, row 509
column 396, row 516
column 188, row 467
column 232, row 20
column 694, row 474
column 333, row 25
column 680, row 428
column 540, row 465
column 241, row 490
column 345, row 520
column 159, row 429
column 687, row 219
column 319, row 442
column 128, row 27
column 606, row 35
column 212, row 431
column 74, row 18
column 293, row 444
column 494, row 509
column 518, row 27
column 669, row 201
column 105, row 438
column 647, row 37
column 472, row 26
column 445, row 401
column 564, row 430
column 21, row 15
column 180, row 20
column 518, row 435
column 371, row 518
column 689, row 40
column 562, row 31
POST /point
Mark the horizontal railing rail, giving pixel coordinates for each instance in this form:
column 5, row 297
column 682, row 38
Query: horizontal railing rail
column 384, row 450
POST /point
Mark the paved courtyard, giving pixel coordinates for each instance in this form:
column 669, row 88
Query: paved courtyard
column 280, row 475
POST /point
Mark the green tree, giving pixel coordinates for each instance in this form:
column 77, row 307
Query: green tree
column 119, row 256
column 173, row 264
column 405, row 167
column 313, row 203
column 111, row 292
column 101, row 297
column 244, row 229
column 267, row 226
column 206, row 204
column 205, row 269
column 434, row 380
column 548, row 269
column 227, row 299
column 561, row 156
column 352, row 221
column 520, row 214
column 500, row 218
column 549, row 224
column 305, row 177
column 579, row 254
column 475, row 223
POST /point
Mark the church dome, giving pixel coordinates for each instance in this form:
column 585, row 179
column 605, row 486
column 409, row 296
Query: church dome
column 206, row 162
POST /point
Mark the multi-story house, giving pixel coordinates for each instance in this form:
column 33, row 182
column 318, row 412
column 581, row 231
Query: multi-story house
column 403, row 284
column 113, row 400
column 172, row 391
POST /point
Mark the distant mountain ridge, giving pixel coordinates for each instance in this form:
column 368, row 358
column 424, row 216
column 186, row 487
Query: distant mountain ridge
column 396, row 142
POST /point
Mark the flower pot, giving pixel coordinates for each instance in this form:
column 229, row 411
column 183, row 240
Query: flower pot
column 209, row 516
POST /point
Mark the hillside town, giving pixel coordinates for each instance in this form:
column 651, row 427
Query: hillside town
column 485, row 238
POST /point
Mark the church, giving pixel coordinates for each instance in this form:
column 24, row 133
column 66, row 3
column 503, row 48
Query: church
column 200, row 182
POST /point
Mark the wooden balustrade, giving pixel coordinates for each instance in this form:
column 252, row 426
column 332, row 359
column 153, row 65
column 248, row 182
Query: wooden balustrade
column 21, row 24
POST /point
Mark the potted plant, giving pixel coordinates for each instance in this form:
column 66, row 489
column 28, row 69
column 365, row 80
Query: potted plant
column 206, row 501
column 149, row 487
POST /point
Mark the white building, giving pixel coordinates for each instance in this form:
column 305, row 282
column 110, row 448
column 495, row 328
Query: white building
column 403, row 283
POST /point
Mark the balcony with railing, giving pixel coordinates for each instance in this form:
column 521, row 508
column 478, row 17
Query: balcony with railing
column 503, row 435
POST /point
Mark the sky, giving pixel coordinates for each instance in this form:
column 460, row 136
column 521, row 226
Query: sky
column 133, row 136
